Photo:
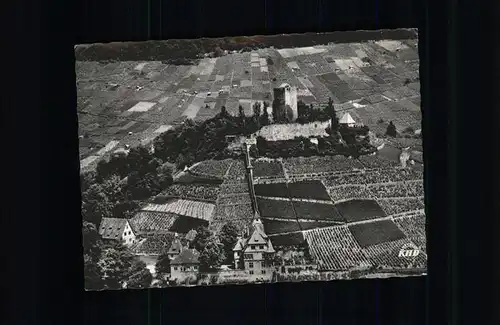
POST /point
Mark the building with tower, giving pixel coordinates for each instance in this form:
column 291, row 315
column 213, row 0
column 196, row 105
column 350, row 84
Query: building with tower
column 255, row 252
column 285, row 102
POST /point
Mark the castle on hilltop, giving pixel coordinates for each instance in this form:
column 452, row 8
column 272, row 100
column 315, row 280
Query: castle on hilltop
column 285, row 101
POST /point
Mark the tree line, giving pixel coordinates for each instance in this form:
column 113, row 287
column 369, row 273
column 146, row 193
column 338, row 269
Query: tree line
column 110, row 265
column 116, row 189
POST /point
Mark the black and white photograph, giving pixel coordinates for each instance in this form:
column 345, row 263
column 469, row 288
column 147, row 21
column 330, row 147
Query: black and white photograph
column 252, row 159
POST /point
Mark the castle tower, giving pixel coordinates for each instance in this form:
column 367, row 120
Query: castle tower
column 285, row 98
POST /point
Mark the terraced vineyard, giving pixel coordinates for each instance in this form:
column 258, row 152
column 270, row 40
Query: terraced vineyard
column 376, row 232
column 233, row 203
column 385, row 255
column 272, row 190
column 236, row 199
column 194, row 209
column 400, row 205
column 282, row 209
column 153, row 244
column 414, row 229
column 360, row 210
column 288, row 239
column 212, row 168
column 317, row 211
column 235, row 173
column 310, row 189
column 231, row 188
column 145, row 222
column 189, row 191
column 329, row 164
column 363, row 194
column 335, row 248
column 267, row 168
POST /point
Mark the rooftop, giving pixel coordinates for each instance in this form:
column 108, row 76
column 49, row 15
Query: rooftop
column 175, row 247
column 187, row 256
column 112, row 228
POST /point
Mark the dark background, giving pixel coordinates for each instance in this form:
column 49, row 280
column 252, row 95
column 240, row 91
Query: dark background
column 41, row 224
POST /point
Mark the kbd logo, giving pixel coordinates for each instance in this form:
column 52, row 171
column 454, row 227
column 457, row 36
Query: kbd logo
column 409, row 250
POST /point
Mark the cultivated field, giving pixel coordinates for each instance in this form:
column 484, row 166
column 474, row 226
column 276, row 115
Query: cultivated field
column 352, row 213
column 131, row 102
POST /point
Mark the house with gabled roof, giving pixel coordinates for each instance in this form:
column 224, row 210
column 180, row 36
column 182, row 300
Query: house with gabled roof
column 185, row 264
column 255, row 252
column 175, row 248
column 117, row 229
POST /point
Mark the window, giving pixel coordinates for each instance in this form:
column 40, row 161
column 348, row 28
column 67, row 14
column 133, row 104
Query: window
column 250, row 265
column 248, row 256
column 261, row 247
column 175, row 268
column 263, row 271
column 251, row 272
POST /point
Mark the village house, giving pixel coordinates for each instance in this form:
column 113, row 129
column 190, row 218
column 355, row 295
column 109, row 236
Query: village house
column 254, row 253
column 175, row 248
column 117, row 229
column 185, row 264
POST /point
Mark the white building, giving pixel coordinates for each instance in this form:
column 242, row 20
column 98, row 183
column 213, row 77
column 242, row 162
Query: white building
column 117, row 229
column 347, row 120
column 185, row 265
column 254, row 253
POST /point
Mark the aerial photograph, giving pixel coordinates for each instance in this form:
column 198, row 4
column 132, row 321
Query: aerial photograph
column 252, row 159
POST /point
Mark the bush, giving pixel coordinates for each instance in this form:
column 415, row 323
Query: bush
column 409, row 130
column 190, row 280
column 218, row 52
column 391, row 130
